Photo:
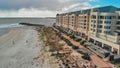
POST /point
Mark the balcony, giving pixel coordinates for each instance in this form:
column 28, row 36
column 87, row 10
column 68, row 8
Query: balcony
column 118, row 23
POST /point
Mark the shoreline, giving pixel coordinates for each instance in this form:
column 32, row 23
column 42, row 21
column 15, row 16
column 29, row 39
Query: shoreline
column 21, row 53
column 46, row 55
column 23, row 47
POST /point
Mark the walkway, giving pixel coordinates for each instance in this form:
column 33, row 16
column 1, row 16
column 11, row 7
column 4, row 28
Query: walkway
column 95, row 59
column 99, row 62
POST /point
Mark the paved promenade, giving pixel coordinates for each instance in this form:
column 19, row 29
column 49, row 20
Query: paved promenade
column 95, row 59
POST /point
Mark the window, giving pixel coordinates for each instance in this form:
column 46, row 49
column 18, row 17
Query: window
column 114, row 17
column 100, row 22
column 118, row 22
column 108, row 17
column 107, row 22
column 94, row 26
column 93, row 16
column 107, row 27
column 99, row 31
column 118, row 17
column 107, row 32
column 72, row 19
column 118, row 28
column 91, row 20
column 101, row 17
column 94, row 21
column 94, row 30
column 99, row 26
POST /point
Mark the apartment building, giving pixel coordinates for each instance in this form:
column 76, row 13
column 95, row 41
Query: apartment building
column 100, row 26
column 73, row 22
column 102, row 30
column 59, row 20
column 118, row 22
column 83, row 24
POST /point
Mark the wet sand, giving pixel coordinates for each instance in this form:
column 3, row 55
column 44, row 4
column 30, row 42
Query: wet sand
column 19, row 47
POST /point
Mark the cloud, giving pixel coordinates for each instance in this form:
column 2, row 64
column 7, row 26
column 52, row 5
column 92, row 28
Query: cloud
column 76, row 7
column 40, row 8
column 95, row 0
column 27, row 13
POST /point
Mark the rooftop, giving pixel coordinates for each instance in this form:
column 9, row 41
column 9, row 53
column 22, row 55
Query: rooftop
column 111, row 9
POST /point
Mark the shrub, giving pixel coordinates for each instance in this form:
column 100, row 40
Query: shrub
column 51, row 50
column 53, row 54
column 85, row 45
column 66, row 33
column 69, row 34
column 78, row 39
column 113, row 62
column 70, row 44
column 75, row 47
column 80, row 52
column 118, row 65
column 95, row 66
column 86, row 56
column 81, row 42
column 72, row 36
column 75, row 39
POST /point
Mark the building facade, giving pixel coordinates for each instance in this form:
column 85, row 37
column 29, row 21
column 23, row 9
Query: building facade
column 100, row 26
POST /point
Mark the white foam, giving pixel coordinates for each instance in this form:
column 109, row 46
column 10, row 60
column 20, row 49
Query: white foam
column 10, row 25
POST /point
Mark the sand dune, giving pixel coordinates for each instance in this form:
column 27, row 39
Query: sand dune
column 18, row 48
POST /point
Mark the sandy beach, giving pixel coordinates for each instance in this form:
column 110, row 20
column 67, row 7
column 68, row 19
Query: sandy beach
column 19, row 47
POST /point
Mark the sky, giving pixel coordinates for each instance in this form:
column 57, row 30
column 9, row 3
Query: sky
column 48, row 8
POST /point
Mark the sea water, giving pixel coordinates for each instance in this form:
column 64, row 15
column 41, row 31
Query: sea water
column 44, row 21
column 7, row 23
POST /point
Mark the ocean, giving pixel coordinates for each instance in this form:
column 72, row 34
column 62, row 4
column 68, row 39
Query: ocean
column 7, row 23
column 13, row 21
column 15, row 52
